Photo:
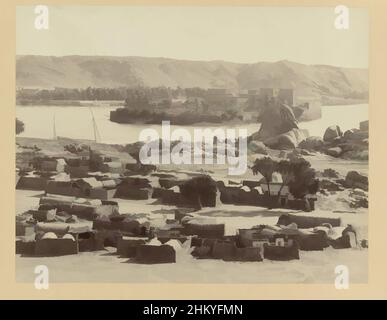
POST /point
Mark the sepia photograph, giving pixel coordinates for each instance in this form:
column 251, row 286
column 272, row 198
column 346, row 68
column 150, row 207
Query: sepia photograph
column 192, row 144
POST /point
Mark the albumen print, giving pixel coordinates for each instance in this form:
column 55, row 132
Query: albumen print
column 192, row 144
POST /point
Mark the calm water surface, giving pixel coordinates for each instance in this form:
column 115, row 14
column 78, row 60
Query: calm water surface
column 76, row 122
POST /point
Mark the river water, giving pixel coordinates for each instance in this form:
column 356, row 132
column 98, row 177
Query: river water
column 76, row 122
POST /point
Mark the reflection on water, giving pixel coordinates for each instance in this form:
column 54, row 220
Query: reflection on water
column 76, row 122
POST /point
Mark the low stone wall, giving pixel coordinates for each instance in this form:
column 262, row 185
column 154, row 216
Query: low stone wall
column 55, row 247
column 63, row 188
column 25, row 248
column 133, row 193
column 237, row 196
column 149, row 254
column 102, row 194
column 214, row 231
column 170, row 182
column 313, row 242
column 128, row 247
column 77, row 171
column 32, row 183
column 305, row 222
column 88, row 241
column 126, row 226
column 285, row 253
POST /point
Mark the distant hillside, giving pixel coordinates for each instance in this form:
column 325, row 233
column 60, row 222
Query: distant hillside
column 98, row 71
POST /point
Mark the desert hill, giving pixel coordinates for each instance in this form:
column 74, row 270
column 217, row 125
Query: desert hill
column 111, row 72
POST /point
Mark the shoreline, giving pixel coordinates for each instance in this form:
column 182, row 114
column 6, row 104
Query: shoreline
column 200, row 124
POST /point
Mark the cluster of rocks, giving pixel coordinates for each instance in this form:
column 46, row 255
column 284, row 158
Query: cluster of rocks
column 357, row 184
column 358, row 199
column 279, row 130
column 352, row 144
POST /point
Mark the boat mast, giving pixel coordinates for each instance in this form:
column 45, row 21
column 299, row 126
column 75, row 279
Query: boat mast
column 95, row 128
column 54, row 128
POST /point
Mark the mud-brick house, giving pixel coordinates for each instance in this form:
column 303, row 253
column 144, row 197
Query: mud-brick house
column 277, row 195
column 252, row 237
column 92, row 188
column 305, row 204
column 78, row 167
column 182, row 190
column 174, row 196
column 32, row 183
column 277, row 244
column 113, row 167
column 110, row 161
column 203, row 228
column 84, row 156
column 48, row 163
column 87, row 184
column 282, row 250
column 152, row 254
column 66, row 188
column 280, row 197
column 168, row 183
column 126, row 224
column 242, row 195
column 50, row 245
column 170, row 231
column 127, row 246
column 250, row 196
column 25, row 229
column 171, row 196
column 77, row 171
column 88, row 209
column 135, row 188
column 82, row 188
column 252, row 183
column 57, row 165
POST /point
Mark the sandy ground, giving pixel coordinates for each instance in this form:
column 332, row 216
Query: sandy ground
column 105, row 266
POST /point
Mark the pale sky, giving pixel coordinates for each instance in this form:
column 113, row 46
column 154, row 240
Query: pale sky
column 239, row 34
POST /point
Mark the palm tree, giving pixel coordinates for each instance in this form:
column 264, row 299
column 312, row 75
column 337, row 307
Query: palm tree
column 285, row 168
column 265, row 166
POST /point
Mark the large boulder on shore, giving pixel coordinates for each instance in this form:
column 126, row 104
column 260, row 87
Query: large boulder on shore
column 330, row 173
column 288, row 140
column 334, row 152
column 330, row 185
column 312, row 143
column 354, row 143
column 332, row 133
column 355, row 135
column 356, row 180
